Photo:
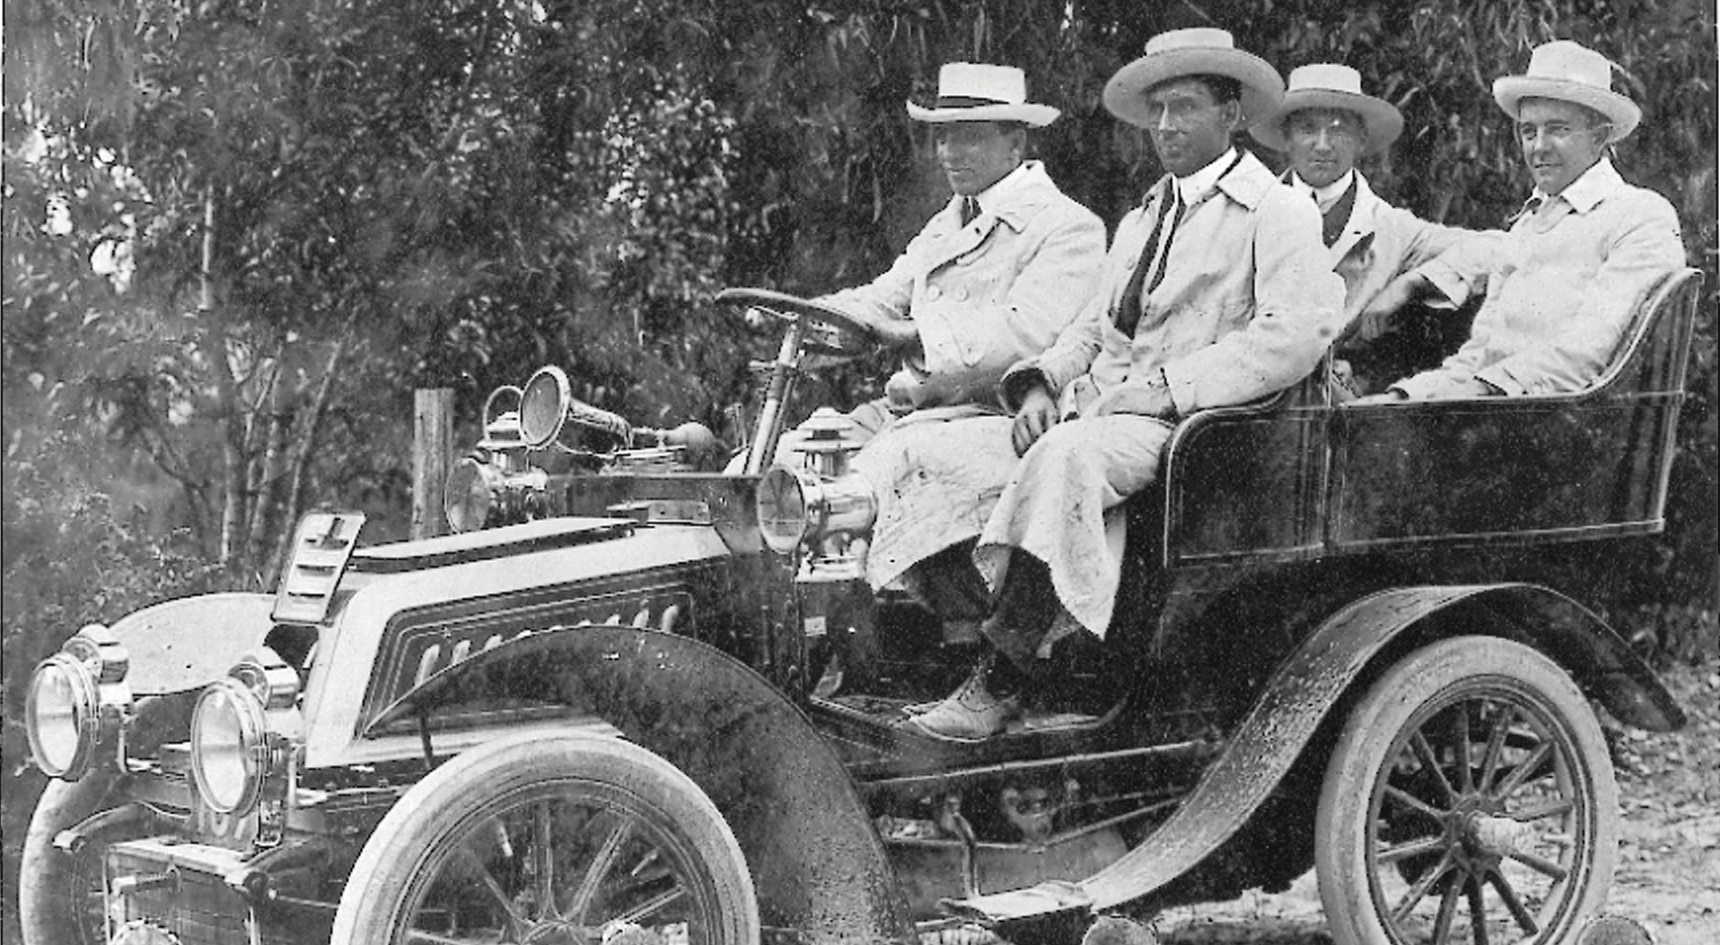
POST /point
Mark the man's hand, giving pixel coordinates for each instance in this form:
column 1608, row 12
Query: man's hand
column 1391, row 396
column 1152, row 399
column 1038, row 414
column 892, row 333
column 1376, row 317
column 1474, row 387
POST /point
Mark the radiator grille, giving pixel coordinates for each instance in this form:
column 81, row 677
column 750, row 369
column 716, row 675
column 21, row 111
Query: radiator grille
column 196, row 906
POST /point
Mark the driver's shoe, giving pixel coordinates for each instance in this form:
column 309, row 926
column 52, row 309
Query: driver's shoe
column 970, row 714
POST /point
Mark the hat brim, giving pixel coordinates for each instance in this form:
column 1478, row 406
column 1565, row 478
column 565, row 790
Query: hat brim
column 1624, row 114
column 1028, row 113
column 1262, row 87
column 1384, row 122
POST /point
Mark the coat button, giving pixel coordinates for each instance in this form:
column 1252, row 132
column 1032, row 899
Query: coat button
column 933, row 292
column 961, row 295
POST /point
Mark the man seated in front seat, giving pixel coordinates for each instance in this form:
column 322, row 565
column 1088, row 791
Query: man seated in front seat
column 997, row 273
column 1390, row 258
column 1217, row 291
column 1585, row 247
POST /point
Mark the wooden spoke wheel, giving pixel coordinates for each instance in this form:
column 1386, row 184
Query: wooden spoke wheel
column 564, row 841
column 1469, row 800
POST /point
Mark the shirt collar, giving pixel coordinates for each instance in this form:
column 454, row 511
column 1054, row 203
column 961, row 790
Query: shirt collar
column 1011, row 196
column 1590, row 187
column 1197, row 185
column 999, row 190
column 1324, row 196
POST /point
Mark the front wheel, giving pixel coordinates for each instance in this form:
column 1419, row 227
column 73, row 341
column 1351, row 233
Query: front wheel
column 60, row 895
column 1470, row 799
column 571, row 839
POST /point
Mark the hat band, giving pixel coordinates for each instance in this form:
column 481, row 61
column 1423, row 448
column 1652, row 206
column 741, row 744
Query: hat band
column 963, row 101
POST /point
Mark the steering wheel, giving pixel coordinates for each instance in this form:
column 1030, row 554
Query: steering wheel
column 827, row 330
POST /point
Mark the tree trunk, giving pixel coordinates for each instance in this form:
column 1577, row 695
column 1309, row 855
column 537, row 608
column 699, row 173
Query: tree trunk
column 233, row 479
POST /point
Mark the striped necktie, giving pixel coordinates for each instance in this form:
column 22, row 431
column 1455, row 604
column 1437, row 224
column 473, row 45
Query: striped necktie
column 1155, row 249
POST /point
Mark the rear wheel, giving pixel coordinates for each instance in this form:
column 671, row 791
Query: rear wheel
column 1470, row 799
column 562, row 840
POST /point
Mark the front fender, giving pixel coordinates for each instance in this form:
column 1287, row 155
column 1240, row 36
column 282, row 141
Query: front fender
column 183, row 645
column 818, row 865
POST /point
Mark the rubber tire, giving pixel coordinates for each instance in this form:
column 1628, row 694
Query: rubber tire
column 1426, row 675
column 47, row 912
column 455, row 793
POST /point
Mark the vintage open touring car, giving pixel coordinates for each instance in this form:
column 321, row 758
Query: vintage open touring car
column 642, row 698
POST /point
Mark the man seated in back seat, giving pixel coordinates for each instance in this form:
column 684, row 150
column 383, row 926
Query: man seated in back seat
column 1583, row 250
column 1393, row 262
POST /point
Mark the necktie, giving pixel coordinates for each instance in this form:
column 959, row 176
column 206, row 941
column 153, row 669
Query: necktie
column 1531, row 207
column 1336, row 215
column 1129, row 307
column 970, row 210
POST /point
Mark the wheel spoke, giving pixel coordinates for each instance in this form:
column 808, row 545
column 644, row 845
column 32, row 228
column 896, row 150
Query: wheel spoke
column 516, row 922
column 1460, row 747
column 432, row 938
column 1447, row 912
column 1419, row 891
column 1524, row 771
column 1502, row 886
column 1496, row 744
column 1425, row 752
column 543, row 860
column 1550, row 808
column 651, row 906
column 1477, row 910
column 600, row 866
column 1543, row 866
column 1413, row 848
column 1415, row 804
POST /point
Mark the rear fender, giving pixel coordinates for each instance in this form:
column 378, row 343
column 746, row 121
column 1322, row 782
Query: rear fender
column 818, row 865
column 1303, row 691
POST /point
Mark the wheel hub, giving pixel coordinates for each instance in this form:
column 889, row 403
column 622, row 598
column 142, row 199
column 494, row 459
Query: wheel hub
column 1495, row 837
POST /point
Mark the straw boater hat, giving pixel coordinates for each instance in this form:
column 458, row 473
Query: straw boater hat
column 1570, row 72
column 972, row 91
column 1329, row 85
column 1199, row 51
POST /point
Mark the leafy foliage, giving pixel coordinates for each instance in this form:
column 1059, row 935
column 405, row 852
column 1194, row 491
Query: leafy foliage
column 313, row 206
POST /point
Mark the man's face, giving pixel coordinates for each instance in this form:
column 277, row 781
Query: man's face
column 1560, row 141
column 1189, row 127
column 1324, row 143
column 976, row 154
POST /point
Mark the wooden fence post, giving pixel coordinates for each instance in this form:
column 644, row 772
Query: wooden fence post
column 432, row 449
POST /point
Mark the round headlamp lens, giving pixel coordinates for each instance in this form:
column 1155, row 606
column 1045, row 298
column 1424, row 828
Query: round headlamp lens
column 543, row 406
column 467, row 497
column 782, row 512
column 61, row 701
column 226, row 741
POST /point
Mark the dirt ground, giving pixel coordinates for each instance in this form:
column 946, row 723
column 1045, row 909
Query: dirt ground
column 1668, row 875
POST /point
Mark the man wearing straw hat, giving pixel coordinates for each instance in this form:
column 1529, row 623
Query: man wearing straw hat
column 1216, row 291
column 1584, row 249
column 994, row 275
column 1389, row 257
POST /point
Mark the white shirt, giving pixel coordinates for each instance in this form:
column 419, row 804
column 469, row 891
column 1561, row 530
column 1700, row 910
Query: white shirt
column 1327, row 195
column 1202, row 182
